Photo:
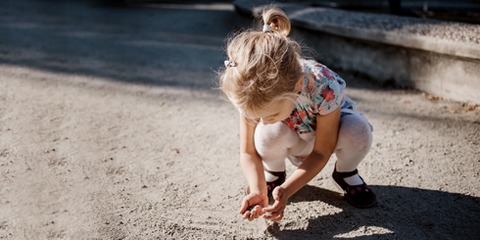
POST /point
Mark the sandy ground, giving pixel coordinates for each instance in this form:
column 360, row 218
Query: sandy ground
column 110, row 128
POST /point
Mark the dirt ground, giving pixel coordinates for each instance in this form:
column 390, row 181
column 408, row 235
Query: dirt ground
column 110, row 128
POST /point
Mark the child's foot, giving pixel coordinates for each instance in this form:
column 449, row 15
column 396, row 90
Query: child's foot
column 280, row 179
column 358, row 194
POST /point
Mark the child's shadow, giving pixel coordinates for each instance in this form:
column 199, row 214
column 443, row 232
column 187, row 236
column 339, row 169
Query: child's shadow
column 401, row 213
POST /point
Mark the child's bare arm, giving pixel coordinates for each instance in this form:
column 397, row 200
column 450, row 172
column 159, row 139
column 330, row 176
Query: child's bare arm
column 250, row 161
column 252, row 168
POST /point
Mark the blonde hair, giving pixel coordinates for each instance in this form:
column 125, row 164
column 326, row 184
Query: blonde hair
column 263, row 66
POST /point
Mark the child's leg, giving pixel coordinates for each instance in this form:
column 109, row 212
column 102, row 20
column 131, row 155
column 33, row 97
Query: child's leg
column 272, row 143
column 353, row 144
column 354, row 141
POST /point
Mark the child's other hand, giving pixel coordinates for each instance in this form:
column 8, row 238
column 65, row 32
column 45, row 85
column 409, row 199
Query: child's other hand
column 252, row 205
column 275, row 212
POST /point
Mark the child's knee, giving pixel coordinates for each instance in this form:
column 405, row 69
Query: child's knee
column 355, row 132
column 272, row 136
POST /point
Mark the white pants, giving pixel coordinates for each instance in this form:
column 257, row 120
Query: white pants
column 277, row 142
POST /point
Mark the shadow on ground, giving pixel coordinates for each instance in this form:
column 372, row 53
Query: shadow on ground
column 407, row 213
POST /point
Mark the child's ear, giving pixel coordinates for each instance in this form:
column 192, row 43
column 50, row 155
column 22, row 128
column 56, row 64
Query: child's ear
column 299, row 84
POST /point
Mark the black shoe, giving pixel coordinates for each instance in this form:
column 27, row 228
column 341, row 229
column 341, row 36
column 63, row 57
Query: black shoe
column 272, row 185
column 360, row 196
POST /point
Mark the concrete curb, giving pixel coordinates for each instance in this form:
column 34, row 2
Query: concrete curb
column 394, row 30
column 439, row 57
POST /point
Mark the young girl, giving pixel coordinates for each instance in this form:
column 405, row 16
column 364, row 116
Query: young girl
column 291, row 108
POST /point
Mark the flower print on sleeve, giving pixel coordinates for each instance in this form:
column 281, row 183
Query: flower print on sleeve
column 321, row 95
column 329, row 92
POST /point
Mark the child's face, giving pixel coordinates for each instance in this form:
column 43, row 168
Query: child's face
column 276, row 111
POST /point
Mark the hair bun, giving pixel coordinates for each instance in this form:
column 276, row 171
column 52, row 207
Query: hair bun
column 277, row 20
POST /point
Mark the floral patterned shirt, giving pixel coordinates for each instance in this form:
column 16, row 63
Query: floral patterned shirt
column 320, row 95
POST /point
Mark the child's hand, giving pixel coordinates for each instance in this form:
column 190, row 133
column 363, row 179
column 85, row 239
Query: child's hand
column 252, row 205
column 275, row 212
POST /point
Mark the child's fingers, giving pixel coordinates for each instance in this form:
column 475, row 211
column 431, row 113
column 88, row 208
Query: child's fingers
column 275, row 216
column 244, row 206
column 246, row 215
column 274, row 208
column 251, row 212
column 250, row 209
column 274, row 212
column 255, row 212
